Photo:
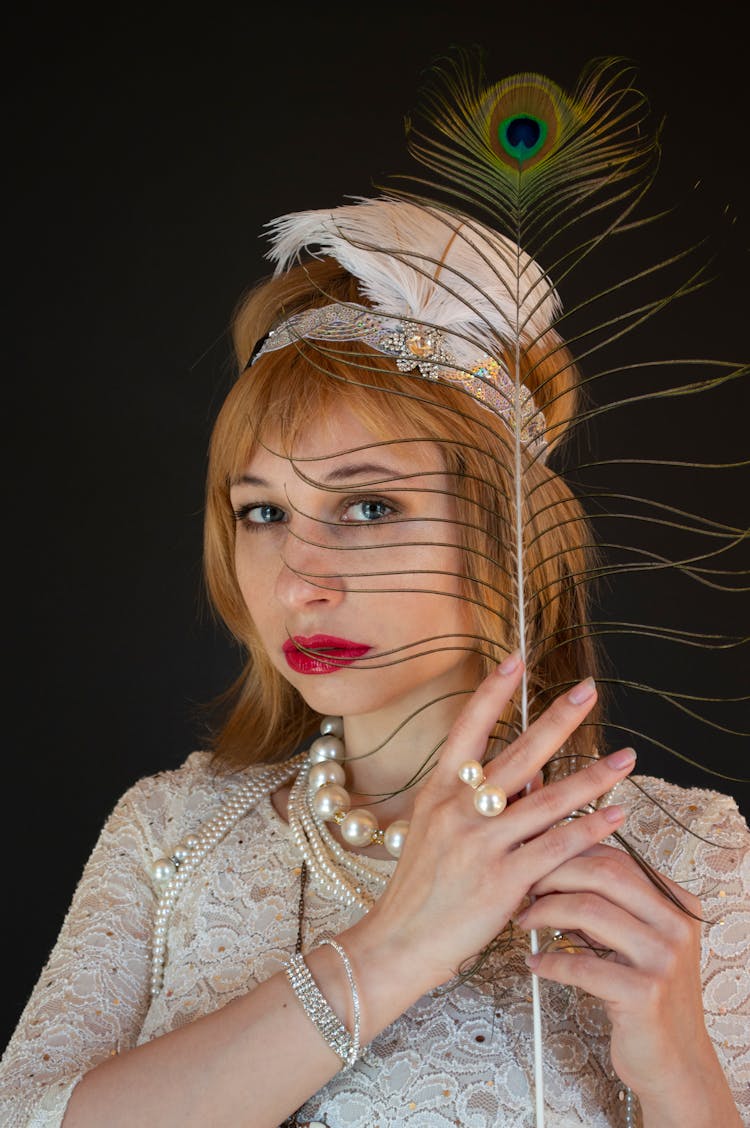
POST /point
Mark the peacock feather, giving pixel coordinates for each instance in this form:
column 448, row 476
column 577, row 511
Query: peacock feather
column 563, row 175
column 510, row 238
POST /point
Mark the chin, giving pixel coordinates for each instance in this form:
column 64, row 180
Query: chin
column 360, row 692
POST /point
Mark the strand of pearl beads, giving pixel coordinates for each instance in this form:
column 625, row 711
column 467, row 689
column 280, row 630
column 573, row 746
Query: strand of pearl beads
column 331, row 801
column 172, row 872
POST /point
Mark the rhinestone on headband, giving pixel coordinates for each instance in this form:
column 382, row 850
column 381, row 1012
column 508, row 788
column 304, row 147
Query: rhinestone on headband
column 489, row 382
column 416, row 346
column 420, row 347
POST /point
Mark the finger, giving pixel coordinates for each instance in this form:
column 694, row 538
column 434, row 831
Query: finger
column 672, row 890
column 560, row 843
column 620, row 857
column 539, row 810
column 648, row 874
column 603, row 850
column 534, row 785
column 613, row 874
column 529, row 752
column 472, row 729
column 609, row 925
column 608, row 981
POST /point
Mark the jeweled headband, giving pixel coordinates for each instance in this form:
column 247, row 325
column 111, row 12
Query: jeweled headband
column 416, row 347
column 444, row 293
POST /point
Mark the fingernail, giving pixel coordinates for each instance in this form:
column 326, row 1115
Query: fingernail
column 614, row 814
column 532, row 961
column 510, row 664
column 584, row 691
column 622, row 759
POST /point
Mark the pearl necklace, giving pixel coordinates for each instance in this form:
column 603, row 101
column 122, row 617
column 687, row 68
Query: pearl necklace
column 318, row 796
column 345, row 875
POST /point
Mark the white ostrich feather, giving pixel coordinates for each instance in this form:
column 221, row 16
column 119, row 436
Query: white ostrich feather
column 425, row 264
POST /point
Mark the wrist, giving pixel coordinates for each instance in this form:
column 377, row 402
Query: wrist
column 388, row 977
column 693, row 1095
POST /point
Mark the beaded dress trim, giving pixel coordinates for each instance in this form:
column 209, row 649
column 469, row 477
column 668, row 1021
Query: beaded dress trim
column 188, row 855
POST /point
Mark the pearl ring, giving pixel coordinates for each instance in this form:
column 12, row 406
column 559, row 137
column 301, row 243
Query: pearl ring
column 488, row 799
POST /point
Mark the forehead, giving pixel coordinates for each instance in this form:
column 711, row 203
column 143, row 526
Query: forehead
column 338, row 438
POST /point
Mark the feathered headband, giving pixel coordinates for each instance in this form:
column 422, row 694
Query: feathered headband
column 443, row 294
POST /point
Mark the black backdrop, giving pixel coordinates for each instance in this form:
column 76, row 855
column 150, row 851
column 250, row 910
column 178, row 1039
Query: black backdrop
column 144, row 153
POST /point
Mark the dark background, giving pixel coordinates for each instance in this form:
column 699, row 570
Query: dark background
column 144, row 152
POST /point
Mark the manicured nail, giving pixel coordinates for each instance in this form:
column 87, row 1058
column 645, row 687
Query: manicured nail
column 532, row 961
column 622, row 759
column 510, row 664
column 584, row 691
column 614, row 814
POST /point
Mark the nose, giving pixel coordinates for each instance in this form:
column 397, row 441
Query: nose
column 308, row 576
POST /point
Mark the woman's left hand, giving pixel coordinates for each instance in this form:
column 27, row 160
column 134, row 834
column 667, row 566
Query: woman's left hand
column 650, row 983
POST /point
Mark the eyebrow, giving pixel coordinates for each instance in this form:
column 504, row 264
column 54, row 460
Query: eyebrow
column 339, row 474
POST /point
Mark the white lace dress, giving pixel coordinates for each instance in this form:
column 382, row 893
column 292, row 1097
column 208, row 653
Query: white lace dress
column 461, row 1058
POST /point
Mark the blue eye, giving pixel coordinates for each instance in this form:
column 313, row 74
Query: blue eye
column 268, row 514
column 369, row 510
column 259, row 515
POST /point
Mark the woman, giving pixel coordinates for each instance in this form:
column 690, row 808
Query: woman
column 337, row 932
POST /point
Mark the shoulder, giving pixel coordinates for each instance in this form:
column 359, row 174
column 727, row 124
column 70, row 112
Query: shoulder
column 649, row 799
column 163, row 805
column 682, row 830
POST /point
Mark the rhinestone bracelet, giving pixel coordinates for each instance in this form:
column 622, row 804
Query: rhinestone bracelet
column 354, row 1052
column 319, row 1012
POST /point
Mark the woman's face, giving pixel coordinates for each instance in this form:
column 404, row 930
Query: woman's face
column 365, row 572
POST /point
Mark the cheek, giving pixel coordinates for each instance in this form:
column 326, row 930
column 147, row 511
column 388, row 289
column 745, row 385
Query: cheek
column 254, row 577
column 434, row 603
column 446, row 573
column 241, row 571
column 456, row 609
column 434, row 567
column 439, row 572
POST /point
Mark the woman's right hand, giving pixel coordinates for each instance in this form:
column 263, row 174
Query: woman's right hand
column 462, row 876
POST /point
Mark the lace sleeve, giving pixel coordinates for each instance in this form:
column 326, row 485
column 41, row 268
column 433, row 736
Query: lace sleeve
column 92, row 996
column 711, row 858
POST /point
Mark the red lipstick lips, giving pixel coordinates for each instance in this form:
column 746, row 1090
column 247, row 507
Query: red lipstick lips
column 341, row 651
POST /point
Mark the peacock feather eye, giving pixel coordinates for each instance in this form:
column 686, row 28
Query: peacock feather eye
column 522, row 136
column 525, row 117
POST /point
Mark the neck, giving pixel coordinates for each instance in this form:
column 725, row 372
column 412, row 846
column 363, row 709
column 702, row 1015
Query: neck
column 387, row 750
